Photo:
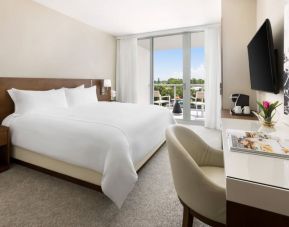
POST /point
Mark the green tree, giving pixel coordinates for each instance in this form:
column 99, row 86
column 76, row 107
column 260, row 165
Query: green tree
column 169, row 90
column 175, row 81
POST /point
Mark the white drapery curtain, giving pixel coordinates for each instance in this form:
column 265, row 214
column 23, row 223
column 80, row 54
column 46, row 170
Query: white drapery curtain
column 213, row 77
column 131, row 83
column 126, row 70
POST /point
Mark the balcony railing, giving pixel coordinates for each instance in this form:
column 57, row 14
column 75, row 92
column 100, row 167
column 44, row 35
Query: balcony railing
column 175, row 92
column 194, row 88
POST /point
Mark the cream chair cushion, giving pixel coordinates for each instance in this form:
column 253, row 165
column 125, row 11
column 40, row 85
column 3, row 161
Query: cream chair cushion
column 215, row 174
column 198, row 173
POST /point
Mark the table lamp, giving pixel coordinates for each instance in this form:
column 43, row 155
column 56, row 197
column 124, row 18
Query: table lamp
column 106, row 85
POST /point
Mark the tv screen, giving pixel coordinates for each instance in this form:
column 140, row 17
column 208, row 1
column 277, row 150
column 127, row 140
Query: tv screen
column 262, row 64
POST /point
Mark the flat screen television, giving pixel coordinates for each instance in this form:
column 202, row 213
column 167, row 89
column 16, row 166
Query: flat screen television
column 262, row 60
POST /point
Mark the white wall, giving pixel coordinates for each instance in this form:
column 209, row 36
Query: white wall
column 273, row 10
column 238, row 27
column 38, row 42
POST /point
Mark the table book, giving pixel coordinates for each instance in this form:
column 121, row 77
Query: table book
column 259, row 143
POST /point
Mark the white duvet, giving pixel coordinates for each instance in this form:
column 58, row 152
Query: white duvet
column 106, row 137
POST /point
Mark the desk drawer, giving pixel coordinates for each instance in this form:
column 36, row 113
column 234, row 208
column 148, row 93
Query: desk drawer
column 260, row 196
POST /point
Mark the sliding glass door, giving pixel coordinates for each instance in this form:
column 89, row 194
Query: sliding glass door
column 177, row 73
column 168, row 72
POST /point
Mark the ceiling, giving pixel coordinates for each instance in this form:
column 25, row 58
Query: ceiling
column 125, row 17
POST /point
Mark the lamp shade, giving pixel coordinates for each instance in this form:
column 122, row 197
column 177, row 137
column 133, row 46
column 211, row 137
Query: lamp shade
column 113, row 93
column 107, row 83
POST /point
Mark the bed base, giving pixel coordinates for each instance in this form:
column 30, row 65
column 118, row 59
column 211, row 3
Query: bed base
column 73, row 179
column 58, row 175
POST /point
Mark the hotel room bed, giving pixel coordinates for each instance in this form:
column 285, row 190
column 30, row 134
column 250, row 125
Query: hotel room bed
column 102, row 143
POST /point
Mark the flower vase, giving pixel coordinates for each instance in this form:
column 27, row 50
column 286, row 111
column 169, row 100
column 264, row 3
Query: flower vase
column 267, row 125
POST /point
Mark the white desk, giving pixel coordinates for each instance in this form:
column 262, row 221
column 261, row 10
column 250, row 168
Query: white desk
column 256, row 181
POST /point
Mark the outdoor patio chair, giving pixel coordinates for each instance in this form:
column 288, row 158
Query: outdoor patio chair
column 199, row 101
column 161, row 100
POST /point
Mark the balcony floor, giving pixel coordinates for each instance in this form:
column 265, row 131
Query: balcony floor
column 196, row 115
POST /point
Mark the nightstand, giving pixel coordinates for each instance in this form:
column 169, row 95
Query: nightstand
column 4, row 148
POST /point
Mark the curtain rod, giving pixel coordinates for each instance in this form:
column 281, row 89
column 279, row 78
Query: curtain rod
column 174, row 31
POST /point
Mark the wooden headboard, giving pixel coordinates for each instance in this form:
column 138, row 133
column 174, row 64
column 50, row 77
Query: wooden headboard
column 7, row 105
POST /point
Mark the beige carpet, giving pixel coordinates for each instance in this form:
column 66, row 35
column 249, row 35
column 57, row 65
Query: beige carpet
column 31, row 198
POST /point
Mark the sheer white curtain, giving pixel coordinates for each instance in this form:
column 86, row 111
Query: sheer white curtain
column 126, row 70
column 213, row 77
column 131, row 83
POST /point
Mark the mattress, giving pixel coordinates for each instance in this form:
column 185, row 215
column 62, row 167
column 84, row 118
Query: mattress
column 107, row 138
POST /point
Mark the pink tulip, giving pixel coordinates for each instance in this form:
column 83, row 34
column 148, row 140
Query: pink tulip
column 266, row 104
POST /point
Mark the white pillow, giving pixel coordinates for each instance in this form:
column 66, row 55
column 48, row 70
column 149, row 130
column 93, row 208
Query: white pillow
column 13, row 90
column 77, row 97
column 11, row 94
column 78, row 87
column 30, row 101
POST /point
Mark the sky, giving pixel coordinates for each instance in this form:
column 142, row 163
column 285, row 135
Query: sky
column 169, row 63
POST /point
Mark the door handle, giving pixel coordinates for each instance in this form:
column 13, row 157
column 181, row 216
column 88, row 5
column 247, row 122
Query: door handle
column 184, row 86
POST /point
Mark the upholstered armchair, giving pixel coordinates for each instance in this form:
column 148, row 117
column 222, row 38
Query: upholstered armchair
column 198, row 176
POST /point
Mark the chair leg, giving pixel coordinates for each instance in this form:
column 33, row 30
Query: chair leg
column 187, row 217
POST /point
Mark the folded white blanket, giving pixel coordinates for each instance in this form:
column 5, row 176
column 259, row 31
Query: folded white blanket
column 106, row 137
